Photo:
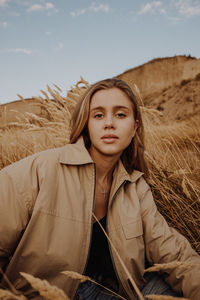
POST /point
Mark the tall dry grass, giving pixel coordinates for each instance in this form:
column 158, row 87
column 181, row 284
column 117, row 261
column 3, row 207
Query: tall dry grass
column 172, row 153
column 33, row 133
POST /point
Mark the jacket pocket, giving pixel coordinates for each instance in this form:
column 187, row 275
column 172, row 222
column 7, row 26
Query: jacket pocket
column 133, row 229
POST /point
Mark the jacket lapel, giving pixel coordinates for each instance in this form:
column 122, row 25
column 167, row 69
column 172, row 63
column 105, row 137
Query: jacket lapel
column 75, row 154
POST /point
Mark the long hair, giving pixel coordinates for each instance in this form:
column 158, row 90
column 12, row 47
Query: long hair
column 133, row 156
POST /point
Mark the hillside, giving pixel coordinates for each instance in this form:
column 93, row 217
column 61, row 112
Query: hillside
column 9, row 112
column 170, row 85
column 178, row 102
column 161, row 73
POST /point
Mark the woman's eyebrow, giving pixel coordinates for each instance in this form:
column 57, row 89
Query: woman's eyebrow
column 97, row 108
column 121, row 107
column 115, row 107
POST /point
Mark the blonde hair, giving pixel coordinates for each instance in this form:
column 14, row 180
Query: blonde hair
column 133, row 156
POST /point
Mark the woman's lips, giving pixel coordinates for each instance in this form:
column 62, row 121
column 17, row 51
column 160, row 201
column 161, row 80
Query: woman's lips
column 109, row 138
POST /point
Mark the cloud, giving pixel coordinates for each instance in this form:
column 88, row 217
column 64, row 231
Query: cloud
column 162, row 11
column 93, row 7
column 174, row 20
column 72, row 14
column 60, row 45
column 48, row 6
column 100, row 7
column 3, row 2
column 188, row 7
column 152, row 7
column 35, row 7
column 78, row 13
column 20, row 50
column 3, row 24
column 48, row 32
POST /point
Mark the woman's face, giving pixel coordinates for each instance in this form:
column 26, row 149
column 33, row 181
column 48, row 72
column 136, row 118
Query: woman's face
column 111, row 123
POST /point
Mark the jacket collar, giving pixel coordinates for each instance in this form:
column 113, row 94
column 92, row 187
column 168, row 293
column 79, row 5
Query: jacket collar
column 77, row 154
column 122, row 175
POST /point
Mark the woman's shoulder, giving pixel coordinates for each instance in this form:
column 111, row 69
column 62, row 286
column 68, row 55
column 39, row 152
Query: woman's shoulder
column 48, row 156
column 142, row 185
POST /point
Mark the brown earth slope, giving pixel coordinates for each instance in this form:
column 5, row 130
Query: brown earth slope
column 161, row 73
column 171, row 85
column 9, row 112
column 177, row 102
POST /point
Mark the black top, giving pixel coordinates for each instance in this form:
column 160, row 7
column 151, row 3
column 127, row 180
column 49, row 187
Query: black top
column 100, row 262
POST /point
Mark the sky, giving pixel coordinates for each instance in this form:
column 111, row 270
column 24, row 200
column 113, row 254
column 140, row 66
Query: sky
column 47, row 42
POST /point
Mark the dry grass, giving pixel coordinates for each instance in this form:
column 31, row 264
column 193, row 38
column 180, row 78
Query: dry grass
column 7, row 295
column 44, row 288
column 121, row 261
column 172, row 153
column 77, row 276
column 34, row 133
column 82, row 278
column 161, row 297
column 171, row 265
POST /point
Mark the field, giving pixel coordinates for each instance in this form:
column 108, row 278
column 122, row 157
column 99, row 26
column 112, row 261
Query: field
column 172, row 153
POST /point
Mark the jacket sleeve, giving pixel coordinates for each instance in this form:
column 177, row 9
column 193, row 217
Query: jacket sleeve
column 163, row 244
column 18, row 188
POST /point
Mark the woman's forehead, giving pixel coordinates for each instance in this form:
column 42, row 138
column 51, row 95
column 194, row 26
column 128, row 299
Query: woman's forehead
column 110, row 97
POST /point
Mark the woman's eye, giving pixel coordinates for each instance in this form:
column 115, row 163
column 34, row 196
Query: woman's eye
column 98, row 116
column 121, row 115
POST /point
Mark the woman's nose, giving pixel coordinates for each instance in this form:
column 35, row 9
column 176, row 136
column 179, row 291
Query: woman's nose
column 109, row 122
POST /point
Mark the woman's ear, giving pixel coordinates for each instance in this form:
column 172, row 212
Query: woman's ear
column 136, row 125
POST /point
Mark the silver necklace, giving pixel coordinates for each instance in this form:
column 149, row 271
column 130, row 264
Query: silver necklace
column 103, row 192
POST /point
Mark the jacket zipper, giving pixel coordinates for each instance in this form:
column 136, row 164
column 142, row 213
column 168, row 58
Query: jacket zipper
column 94, row 194
column 109, row 246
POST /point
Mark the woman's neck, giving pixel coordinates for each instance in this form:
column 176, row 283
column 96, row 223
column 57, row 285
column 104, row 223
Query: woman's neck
column 104, row 173
column 105, row 166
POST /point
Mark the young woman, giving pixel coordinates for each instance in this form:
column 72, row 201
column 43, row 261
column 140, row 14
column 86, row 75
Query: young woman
column 50, row 201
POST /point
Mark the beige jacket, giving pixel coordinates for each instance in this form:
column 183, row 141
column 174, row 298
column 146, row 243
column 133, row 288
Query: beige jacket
column 46, row 204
